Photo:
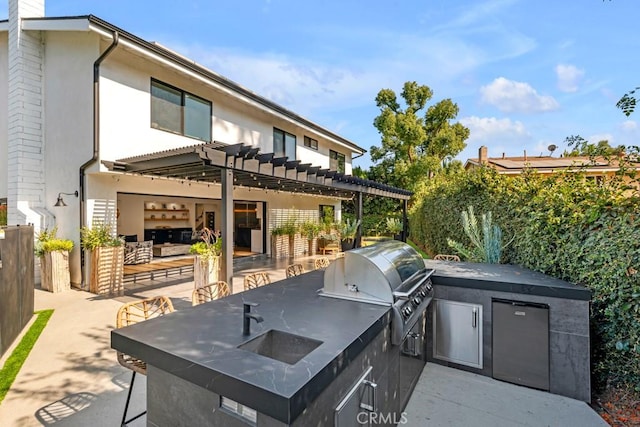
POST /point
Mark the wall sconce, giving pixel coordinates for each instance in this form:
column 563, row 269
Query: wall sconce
column 61, row 202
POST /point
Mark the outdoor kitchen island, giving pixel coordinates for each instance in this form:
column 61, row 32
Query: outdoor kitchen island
column 513, row 324
column 198, row 375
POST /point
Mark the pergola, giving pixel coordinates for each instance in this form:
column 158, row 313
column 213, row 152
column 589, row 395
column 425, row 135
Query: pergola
column 244, row 165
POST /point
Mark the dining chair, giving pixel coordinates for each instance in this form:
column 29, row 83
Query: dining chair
column 444, row 257
column 322, row 262
column 210, row 292
column 294, row 270
column 130, row 314
column 255, row 280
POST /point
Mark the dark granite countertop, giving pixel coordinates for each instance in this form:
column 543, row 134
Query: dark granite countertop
column 199, row 344
column 504, row 278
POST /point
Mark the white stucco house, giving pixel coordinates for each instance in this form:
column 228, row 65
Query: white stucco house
column 129, row 132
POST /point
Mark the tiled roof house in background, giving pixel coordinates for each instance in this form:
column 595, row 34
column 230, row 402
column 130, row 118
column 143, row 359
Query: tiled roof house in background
column 597, row 167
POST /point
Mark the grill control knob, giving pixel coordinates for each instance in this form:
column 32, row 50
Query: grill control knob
column 417, row 300
column 407, row 311
column 423, row 293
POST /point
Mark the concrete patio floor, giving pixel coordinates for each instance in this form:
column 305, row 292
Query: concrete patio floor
column 72, row 378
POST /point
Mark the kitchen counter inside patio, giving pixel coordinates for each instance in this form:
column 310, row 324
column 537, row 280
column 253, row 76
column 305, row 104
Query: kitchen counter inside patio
column 194, row 354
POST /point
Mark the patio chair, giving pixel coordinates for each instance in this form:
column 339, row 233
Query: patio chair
column 294, row 270
column 255, row 280
column 210, row 292
column 129, row 314
column 444, row 257
column 322, row 262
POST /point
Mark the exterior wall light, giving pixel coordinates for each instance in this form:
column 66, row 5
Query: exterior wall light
column 61, row 202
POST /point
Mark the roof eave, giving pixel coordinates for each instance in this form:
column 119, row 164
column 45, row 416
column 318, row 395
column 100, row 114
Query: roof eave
column 93, row 23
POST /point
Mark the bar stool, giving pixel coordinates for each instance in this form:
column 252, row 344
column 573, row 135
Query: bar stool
column 212, row 291
column 130, row 314
column 255, row 280
column 322, row 262
column 294, row 270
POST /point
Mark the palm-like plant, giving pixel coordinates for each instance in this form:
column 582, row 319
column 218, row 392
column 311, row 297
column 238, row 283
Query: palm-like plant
column 486, row 241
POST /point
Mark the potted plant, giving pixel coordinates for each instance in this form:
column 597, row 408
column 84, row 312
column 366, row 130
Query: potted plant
column 394, row 227
column 206, row 264
column 348, row 230
column 276, row 234
column 310, row 230
column 3, row 214
column 290, row 228
column 107, row 258
column 54, row 260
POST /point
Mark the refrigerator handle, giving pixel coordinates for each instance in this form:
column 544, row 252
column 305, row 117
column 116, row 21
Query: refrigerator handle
column 474, row 318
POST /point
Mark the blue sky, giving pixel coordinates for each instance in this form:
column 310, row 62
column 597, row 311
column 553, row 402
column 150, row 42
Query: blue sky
column 525, row 73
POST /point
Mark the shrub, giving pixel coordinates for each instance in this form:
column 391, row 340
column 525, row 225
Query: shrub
column 393, row 225
column 98, row 236
column 210, row 245
column 47, row 241
column 310, row 229
column 348, row 228
column 3, row 215
column 566, row 226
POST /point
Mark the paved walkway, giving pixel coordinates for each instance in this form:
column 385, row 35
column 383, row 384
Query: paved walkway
column 72, row 378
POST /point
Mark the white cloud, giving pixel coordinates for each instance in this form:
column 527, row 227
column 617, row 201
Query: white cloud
column 597, row 137
column 491, row 129
column 629, row 125
column 569, row 76
column 511, row 96
column 302, row 85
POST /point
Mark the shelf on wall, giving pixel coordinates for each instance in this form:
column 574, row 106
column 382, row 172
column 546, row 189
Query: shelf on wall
column 166, row 210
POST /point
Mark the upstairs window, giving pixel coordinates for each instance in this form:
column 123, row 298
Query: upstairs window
column 310, row 142
column 180, row 112
column 336, row 161
column 284, row 144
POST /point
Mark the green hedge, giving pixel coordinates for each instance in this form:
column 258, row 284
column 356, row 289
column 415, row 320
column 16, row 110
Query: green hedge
column 566, row 226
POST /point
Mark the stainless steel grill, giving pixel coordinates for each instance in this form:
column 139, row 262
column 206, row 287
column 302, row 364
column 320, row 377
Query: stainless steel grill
column 388, row 273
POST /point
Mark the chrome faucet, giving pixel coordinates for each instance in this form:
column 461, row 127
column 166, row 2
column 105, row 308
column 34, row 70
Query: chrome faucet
column 247, row 316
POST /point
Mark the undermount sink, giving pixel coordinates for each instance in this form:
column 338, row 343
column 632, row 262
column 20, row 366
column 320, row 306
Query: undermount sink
column 282, row 346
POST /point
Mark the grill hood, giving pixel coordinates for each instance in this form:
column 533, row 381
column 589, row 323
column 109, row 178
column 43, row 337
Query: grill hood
column 374, row 273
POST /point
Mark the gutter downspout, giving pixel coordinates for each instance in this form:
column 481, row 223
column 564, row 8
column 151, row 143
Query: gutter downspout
column 96, row 140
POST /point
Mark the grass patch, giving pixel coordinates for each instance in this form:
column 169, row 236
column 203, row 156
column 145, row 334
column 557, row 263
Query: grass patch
column 422, row 253
column 12, row 366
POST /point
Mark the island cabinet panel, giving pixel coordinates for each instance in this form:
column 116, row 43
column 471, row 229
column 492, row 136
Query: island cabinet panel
column 172, row 400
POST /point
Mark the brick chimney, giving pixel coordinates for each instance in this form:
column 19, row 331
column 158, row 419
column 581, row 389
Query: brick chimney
column 483, row 155
column 25, row 124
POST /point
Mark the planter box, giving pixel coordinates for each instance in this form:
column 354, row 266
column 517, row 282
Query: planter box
column 279, row 246
column 54, row 271
column 107, row 266
column 205, row 271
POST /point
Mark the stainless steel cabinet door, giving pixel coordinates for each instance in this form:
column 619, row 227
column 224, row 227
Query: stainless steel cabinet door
column 457, row 332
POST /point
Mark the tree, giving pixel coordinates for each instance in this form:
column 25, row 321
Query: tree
column 628, row 102
column 582, row 147
column 415, row 143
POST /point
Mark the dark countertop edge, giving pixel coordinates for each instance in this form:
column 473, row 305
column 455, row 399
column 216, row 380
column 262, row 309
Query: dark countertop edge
column 280, row 407
column 583, row 294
